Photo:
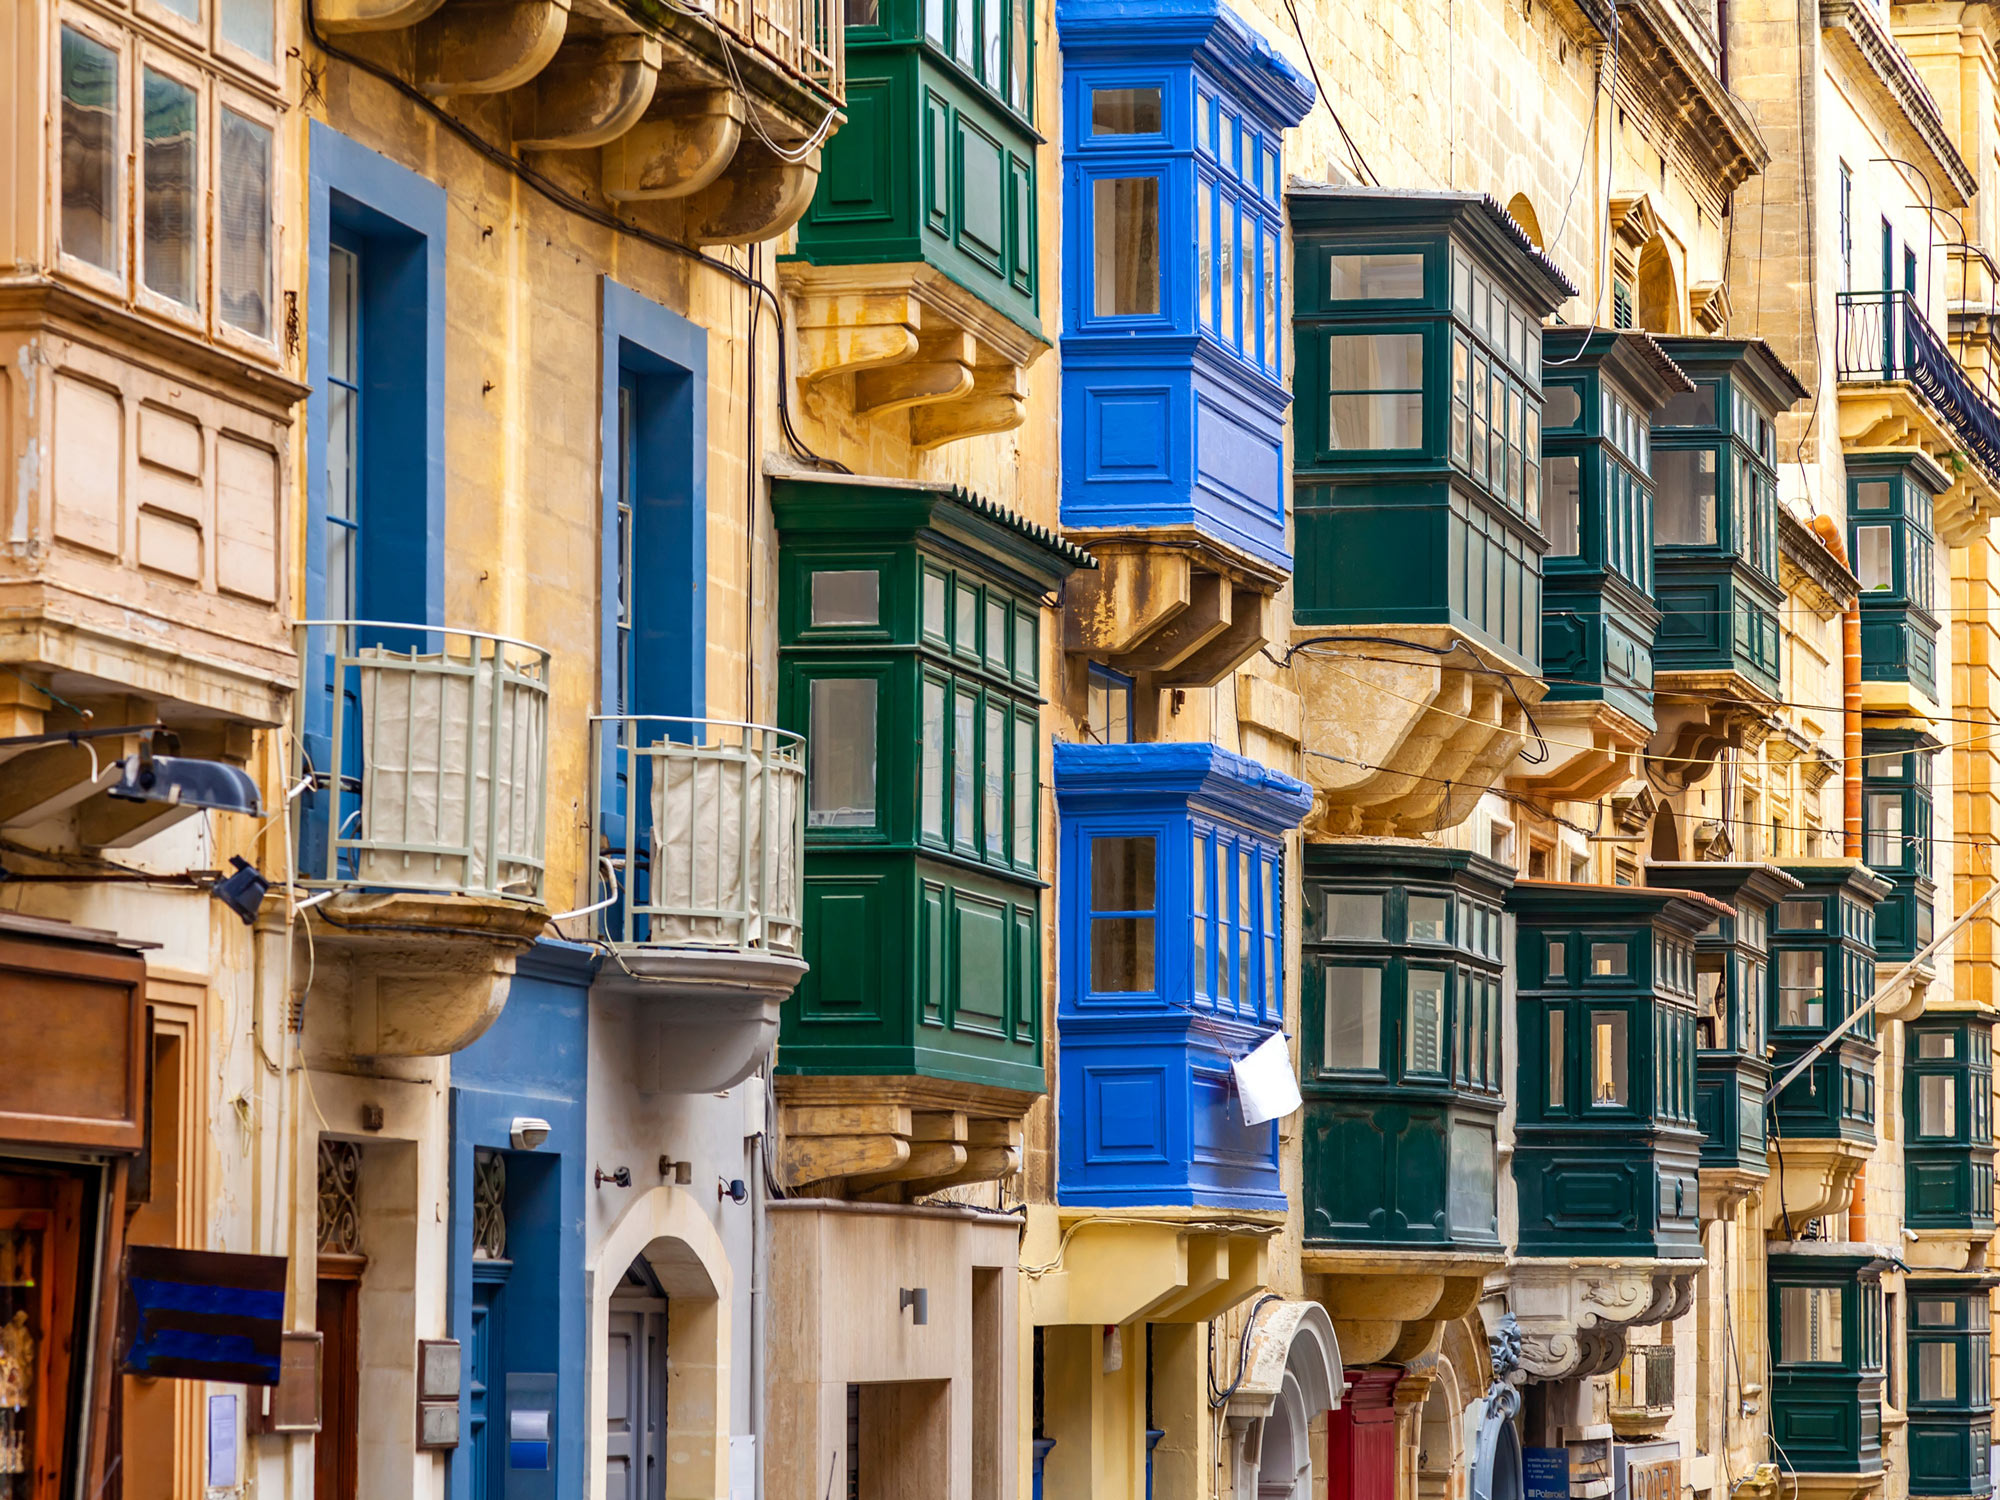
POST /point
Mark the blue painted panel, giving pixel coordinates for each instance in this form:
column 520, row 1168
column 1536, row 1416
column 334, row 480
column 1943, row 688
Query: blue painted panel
column 1148, row 1112
column 533, row 1061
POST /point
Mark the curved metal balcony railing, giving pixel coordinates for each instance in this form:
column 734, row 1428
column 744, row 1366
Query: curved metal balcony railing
column 1885, row 336
column 426, row 755
column 699, row 825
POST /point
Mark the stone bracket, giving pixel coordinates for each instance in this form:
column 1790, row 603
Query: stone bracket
column 890, row 1139
column 1105, row 1267
column 760, row 197
column 592, row 94
column 487, row 46
column 677, row 153
column 1170, row 607
column 1574, row 1314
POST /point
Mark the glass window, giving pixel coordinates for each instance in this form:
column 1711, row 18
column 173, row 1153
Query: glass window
column 1027, row 652
column 1354, row 914
column 1871, row 494
column 992, row 63
column 1423, row 1050
column 933, row 769
column 89, row 150
column 1609, row 960
column 1428, row 915
column 1885, row 829
column 993, row 769
column 965, row 620
column 343, row 429
column 1609, row 1084
column 864, row 12
column 1558, row 1062
column 842, row 753
column 243, row 272
column 1126, row 271
column 1875, row 558
column 1270, row 284
column 169, row 168
column 1801, row 988
column 1353, row 1018
column 1204, row 981
column 1695, row 408
column 1802, row 916
column 1937, row 1044
column 1564, row 513
column 1121, row 924
column 996, row 632
column 1809, row 1324
column 1381, row 277
column 1375, row 385
column 1936, row 1312
column 247, row 24
column 846, row 597
column 1937, row 1105
column 934, row 20
column 1684, row 497
column 1562, row 404
column 1026, row 805
column 964, row 730
column 934, row 595
column 1204, row 213
column 1937, row 1370
column 1108, row 707
column 1130, row 111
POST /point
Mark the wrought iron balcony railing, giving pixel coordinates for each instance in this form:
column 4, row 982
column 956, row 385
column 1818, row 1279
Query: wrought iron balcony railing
column 1644, row 1382
column 427, row 753
column 1885, row 336
column 700, row 827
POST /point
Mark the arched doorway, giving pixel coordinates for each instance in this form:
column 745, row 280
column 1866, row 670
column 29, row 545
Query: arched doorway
column 1284, row 1459
column 1291, row 1376
column 635, row 1386
column 1438, row 1446
column 1659, row 294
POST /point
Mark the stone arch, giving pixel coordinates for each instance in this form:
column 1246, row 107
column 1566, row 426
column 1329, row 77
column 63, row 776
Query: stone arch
column 1440, row 1445
column 1291, row 1378
column 1523, row 213
column 1661, row 305
column 665, row 1226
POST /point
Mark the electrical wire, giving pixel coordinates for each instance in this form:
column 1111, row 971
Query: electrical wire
column 1361, row 167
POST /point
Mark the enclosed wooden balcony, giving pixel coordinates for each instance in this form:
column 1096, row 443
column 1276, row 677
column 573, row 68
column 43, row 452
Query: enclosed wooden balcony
column 421, row 827
column 704, row 121
column 699, row 829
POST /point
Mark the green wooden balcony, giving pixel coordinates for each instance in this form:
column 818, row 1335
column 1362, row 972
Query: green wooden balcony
column 1823, row 970
column 1403, row 1087
column 1950, row 1384
column 1896, row 822
column 1890, row 501
column 1607, row 1143
column 1827, row 1347
column 1948, row 1124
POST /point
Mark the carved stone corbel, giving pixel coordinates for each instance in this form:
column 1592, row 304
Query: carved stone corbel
column 487, row 46
column 343, row 16
column 593, row 93
column 688, row 143
column 760, row 197
column 941, row 371
column 997, row 402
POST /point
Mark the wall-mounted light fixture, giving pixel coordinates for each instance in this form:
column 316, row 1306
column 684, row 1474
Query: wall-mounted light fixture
column 918, row 1300
column 528, row 1132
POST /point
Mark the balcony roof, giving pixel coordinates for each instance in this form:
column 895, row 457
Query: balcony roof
column 1751, row 360
column 1143, row 31
column 1568, row 903
column 1322, row 206
column 1632, row 355
column 807, row 500
column 1126, row 777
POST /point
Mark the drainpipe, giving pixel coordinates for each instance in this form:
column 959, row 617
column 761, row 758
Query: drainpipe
column 1829, row 532
column 1857, row 1207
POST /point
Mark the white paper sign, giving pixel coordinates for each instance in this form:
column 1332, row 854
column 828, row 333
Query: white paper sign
column 222, row 1466
column 743, row 1468
column 1265, row 1085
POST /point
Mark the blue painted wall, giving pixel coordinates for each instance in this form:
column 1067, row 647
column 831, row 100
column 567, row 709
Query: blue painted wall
column 532, row 1062
column 1147, row 1111
column 1177, row 418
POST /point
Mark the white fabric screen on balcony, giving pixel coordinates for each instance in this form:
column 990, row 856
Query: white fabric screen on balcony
column 725, row 870
column 454, row 757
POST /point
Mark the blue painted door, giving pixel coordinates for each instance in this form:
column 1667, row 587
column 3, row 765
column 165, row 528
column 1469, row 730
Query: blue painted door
column 485, row 1436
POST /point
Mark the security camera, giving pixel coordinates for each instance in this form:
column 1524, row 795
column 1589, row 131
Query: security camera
column 529, row 1132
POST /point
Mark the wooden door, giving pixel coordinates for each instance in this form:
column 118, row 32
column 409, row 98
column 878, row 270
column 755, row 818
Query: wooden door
column 1361, row 1438
column 635, row 1389
column 40, row 1233
column 335, row 1462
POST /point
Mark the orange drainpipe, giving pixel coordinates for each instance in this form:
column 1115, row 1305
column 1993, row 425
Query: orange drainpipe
column 1857, row 1208
column 1850, row 698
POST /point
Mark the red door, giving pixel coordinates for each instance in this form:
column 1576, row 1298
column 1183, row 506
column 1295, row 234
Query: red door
column 1361, row 1437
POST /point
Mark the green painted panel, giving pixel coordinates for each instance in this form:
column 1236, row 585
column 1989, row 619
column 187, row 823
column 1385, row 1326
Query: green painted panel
column 982, row 203
column 843, row 923
column 980, row 980
column 859, row 181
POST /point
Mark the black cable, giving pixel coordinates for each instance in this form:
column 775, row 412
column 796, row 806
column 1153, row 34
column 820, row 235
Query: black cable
column 1354, row 152
column 562, row 198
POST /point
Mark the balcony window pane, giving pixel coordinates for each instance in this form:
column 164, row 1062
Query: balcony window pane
column 1375, row 391
column 1608, row 960
column 934, row 20
column 169, row 166
column 1027, row 652
column 965, row 621
column 1121, row 874
column 1121, row 955
column 1473, row 1173
column 1354, row 914
column 1121, row 947
column 1020, row 54
column 89, row 150
column 1127, row 230
column 1203, row 980
column 1204, row 213
column 1427, row 918
column 1684, row 497
column 1564, row 515
column 1382, row 277
column 1558, row 1061
column 1246, row 989
column 1562, row 404
column 1875, row 558
column 842, row 753
column 1225, row 265
column 1801, row 988
column 993, row 776
column 1885, row 829
column 1423, row 1050
column 992, row 62
column 1809, row 1325
column 1247, row 259
column 846, row 597
column 1802, row 916
column 934, row 595
column 933, row 768
column 1270, row 285
column 1936, row 1312
column 1025, row 803
column 1125, row 111
column 1609, row 1083
column 864, row 12
column 996, row 632
column 962, row 41
column 1871, row 494
column 1353, row 1018
column 243, row 274
column 1695, row 408
column 247, row 24
column 343, row 427
column 1937, row 1106
column 1937, row 1370
column 1937, row 1044
column 964, row 721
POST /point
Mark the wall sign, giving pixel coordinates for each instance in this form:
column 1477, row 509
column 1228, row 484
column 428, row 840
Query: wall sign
column 202, row 1315
column 1545, row 1473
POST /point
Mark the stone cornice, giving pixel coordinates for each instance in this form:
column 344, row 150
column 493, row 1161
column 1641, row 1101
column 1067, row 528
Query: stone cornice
column 1666, row 69
column 1854, row 31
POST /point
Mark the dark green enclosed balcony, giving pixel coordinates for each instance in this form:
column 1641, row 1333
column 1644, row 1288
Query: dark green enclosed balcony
column 917, row 269
column 1715, row 519
column 1827, row 1344
column 1896, row 811
column 1891, row 498
column 1417, row 439
column 1601, row 390
column 1403, row 962
column 1823, row 972
column 1607, row 1144
column 1732, row 964
column 910, row 638
column 1950, row 1385
column 1948, row 1124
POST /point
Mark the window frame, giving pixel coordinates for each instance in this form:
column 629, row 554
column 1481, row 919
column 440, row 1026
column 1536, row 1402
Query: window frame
column 230, row 97
column 124, row 46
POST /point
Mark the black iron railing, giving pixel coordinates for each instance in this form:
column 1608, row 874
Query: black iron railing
column 1885, row 336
